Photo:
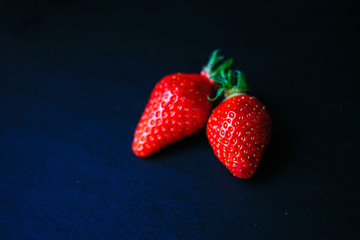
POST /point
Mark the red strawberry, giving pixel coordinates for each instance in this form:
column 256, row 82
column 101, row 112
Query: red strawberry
column 239, row 128
column 178, row 107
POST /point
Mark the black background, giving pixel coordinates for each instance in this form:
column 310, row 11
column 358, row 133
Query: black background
column 75, row 76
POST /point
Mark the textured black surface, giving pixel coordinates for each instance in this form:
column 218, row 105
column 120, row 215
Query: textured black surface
column 76, row 75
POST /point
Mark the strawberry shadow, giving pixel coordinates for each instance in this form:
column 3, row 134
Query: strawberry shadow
column 274, row 160
column 277, row 154
column 184, row 147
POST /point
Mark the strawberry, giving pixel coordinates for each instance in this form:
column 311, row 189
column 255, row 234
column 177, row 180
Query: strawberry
column 178, row 107
column 239, row 128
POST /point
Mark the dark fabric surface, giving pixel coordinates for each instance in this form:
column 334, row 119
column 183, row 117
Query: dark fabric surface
column 76, row 75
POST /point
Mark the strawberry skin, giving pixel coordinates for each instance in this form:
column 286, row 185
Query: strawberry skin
column 239, row 131
column 178, row 107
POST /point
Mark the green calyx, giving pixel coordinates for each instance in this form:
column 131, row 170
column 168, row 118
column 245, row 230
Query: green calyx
column 230, row 82
column 214, row 60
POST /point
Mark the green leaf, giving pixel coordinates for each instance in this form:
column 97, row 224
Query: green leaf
column 218, row 93
column 224, row 66
column 219, row 80
column 241, row 80
column 213, row 58
column 218, row 59
column 222, row 73
column 229, row 77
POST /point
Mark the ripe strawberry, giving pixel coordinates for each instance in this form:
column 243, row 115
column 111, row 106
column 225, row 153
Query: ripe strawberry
column 239, row 128
column 178, row 107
